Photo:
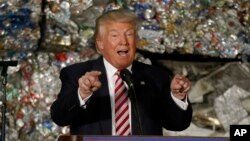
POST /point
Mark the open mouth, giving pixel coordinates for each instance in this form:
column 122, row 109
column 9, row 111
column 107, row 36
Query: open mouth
column 122, row 52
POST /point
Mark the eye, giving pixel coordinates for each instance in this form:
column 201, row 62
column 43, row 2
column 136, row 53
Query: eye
column 130, row 33
column 114, row 35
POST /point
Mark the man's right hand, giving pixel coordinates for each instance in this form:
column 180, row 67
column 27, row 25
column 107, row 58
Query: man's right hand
column 88, row 83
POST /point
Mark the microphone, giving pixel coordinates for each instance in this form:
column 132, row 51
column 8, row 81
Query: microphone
column 127, row 77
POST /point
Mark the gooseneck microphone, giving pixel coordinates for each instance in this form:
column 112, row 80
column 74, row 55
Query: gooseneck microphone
column 127, row 77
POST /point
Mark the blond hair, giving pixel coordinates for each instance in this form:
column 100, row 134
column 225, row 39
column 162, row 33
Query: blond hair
column 118, row 15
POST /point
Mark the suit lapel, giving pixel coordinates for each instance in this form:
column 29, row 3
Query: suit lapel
column 103, row 98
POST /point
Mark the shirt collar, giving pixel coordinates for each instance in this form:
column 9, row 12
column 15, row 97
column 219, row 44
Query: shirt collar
column 111, row 70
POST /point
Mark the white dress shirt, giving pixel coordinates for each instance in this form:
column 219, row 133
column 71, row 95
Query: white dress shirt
column 110, row 73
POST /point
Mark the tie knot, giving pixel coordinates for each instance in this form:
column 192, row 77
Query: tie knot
column 117, row 76
column 118, row 72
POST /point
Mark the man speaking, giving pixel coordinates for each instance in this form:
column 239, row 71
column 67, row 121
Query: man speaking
column 95, row 100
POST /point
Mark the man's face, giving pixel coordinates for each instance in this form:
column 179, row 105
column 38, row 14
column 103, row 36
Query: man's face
column 117, row 43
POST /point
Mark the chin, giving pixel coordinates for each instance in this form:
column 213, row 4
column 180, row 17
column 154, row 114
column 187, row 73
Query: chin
column 123, row 65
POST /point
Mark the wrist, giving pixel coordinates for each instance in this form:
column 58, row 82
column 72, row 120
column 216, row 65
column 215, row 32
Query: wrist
column 83, row 95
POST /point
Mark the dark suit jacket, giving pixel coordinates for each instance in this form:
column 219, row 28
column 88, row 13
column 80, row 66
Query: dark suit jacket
column 156, row 108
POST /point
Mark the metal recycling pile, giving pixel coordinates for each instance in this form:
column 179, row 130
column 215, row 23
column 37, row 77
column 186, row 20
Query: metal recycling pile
column 210, row 28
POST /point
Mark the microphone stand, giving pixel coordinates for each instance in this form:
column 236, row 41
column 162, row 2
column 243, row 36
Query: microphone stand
column 5, row 65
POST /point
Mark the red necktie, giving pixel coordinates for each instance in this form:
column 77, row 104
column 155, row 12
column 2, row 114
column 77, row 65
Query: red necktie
column 122, row 122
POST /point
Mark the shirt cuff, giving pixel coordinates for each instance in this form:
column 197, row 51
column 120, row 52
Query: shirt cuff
column 83, row 101
column 183, row 104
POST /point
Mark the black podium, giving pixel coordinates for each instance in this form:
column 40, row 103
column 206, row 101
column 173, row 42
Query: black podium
column 139, row 138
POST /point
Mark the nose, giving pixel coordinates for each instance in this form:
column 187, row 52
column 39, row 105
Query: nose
column 124, row 40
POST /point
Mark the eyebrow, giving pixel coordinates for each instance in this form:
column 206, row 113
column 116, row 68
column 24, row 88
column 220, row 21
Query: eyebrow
column 115, row 30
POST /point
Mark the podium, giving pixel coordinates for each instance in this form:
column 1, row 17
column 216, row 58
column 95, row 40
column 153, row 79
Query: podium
column 139, row 138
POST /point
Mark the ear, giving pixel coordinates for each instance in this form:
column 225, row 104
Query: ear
column 99, row 44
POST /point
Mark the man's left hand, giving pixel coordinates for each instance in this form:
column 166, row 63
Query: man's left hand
column 180, row 86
